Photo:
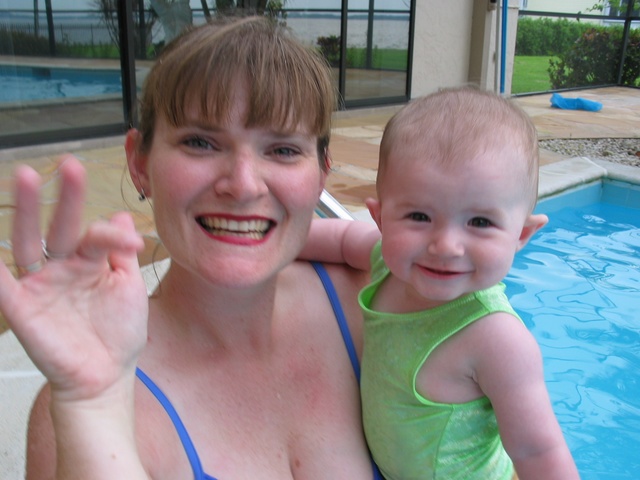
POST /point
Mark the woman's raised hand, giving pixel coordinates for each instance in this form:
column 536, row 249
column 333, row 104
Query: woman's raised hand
column 79, row 305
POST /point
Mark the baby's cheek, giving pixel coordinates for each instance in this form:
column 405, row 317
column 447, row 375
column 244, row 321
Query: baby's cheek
column 496, row 263
column 396, row 253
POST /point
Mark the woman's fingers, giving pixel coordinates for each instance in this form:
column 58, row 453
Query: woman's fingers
column 126, row 258
column 63, row 238
column 25, row 238
column 66, row 224
column 105, row 239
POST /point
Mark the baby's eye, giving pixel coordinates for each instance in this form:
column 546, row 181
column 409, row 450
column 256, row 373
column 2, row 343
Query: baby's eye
column 480, row 222
column 198, row 143
column 419, row 217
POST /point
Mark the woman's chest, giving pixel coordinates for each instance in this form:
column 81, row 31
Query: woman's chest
column 299, row 419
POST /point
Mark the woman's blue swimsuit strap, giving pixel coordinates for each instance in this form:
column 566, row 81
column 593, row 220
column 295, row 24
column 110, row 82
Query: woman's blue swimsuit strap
column 189, row 448
column 342, row 320
column 346, row 334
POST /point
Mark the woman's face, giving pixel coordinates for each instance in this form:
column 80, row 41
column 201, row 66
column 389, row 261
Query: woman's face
column 231, row 203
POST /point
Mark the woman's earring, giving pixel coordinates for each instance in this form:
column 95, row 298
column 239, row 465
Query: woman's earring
column 142, row 197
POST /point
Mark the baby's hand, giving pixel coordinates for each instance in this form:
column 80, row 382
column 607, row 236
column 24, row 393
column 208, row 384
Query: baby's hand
column 79, row 306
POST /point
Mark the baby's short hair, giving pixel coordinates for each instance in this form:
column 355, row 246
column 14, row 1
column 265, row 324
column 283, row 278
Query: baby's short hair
column 452, row 125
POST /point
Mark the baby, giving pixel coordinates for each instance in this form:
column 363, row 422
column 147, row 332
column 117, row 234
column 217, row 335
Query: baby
column 452, row 381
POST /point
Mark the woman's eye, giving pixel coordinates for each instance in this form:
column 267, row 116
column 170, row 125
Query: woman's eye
column 419, row 217
column 198, row 143
column 286, row 152
column 480, row 222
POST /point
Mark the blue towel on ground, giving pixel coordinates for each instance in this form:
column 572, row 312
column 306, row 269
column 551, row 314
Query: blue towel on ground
column 559, row 101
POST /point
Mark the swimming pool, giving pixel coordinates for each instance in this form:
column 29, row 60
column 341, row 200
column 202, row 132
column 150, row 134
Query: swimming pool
column 577, row 287
column 29, row 83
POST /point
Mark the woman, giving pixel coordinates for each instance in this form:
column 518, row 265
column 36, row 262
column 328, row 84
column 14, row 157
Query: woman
column 242, row 344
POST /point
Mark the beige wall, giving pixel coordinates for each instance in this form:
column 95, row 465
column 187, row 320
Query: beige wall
column 455, row 44
column 441, row 45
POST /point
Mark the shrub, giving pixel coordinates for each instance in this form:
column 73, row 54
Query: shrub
column 547, row 37
column 13, row 42
column 25, row 43
column 594, row 59
column 330, row 49
column 631, row 67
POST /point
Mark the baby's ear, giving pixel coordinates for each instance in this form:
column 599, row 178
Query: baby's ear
column 374, row 209
column 531, row 226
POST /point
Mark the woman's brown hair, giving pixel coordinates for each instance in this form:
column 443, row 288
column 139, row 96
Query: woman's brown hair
column 288, row 85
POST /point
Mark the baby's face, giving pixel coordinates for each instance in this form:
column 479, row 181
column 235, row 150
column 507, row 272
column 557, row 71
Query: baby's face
column 451, row 230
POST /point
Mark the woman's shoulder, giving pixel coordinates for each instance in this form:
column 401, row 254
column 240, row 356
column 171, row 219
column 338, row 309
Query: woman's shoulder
column 314, row 297
column 346, row 280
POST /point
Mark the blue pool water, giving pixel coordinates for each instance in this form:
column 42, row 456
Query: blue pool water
column 25, row 83
column 577, row 287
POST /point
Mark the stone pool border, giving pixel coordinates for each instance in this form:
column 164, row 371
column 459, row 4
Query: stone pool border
column 567, row 174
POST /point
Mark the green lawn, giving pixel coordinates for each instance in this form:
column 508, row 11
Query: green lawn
column 530, row 74
column 383, row 58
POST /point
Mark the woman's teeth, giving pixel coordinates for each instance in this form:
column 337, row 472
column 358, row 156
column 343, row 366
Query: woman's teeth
column 254, row 229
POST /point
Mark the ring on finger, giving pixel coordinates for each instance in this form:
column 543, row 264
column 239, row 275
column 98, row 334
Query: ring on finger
column 49, row 255
column 31, row 268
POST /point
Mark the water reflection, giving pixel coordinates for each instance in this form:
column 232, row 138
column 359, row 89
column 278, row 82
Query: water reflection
column 577, row 287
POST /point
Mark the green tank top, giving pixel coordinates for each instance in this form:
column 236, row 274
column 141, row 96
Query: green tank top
column 409, row 436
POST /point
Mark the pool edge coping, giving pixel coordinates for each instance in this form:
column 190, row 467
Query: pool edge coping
column 566, row 174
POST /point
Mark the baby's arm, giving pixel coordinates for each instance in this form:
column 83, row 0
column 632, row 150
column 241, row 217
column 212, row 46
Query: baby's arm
column 509, row 371
column 341, row 241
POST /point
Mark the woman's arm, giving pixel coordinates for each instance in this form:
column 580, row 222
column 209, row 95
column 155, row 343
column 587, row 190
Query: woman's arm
column 341, row 241
column 81, row 316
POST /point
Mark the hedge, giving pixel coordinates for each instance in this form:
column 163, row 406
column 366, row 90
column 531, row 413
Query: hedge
column 584, row 54
column 547, row 37
column 594, row 59
column 18, row 43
